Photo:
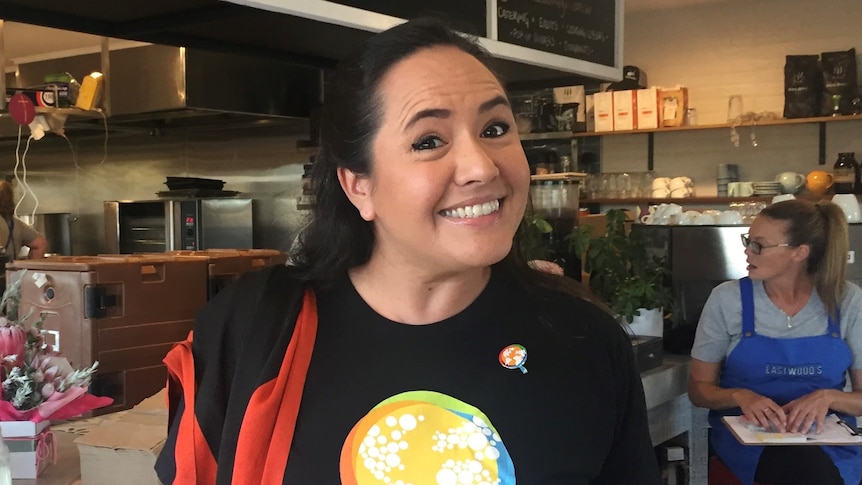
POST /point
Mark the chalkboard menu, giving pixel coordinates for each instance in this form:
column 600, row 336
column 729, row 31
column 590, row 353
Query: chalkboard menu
column 582, row 29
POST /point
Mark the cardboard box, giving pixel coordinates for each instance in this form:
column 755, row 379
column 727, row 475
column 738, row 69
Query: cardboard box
column 22, row 429
column 41, row 97
column 648, row 108
column 23, row 438
column 603, row 106
column 126, row 447
column 591, row 113
column 674, row 102
column 625, row 110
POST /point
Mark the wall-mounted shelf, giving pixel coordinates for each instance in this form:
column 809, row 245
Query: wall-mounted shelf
column 820, row 120
column 793, row 121
column 694, row 200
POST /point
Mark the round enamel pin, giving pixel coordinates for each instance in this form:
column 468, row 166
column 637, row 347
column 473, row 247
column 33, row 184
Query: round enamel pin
column 514, row 357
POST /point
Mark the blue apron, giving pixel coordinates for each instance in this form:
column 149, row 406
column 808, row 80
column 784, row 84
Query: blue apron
column 782, row 370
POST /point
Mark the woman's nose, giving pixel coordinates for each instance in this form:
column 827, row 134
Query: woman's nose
column 474, row 163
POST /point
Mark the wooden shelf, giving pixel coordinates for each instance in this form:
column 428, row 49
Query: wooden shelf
column 694, row 200
column 551, row 135
column 820, row 121
column 793, row 121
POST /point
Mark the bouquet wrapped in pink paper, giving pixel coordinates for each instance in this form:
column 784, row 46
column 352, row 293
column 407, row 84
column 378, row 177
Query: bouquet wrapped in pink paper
column 38, row 383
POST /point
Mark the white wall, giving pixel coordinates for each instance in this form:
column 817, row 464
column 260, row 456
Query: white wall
column 735, row 47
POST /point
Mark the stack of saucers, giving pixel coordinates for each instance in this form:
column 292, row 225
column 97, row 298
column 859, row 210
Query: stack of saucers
column 767, row 188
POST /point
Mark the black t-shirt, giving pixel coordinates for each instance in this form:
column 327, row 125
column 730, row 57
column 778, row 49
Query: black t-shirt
column 454, row 412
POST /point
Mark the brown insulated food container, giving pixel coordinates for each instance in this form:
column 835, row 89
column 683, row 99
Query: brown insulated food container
column 126, row 311
column 226, row 265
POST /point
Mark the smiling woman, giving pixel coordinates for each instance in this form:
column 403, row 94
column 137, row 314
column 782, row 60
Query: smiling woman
column 425, row 349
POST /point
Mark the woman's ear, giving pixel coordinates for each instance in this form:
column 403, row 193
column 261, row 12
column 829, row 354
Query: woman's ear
column 358, row 189
column 801, row 252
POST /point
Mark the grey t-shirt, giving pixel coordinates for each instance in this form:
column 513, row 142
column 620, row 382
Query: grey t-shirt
column 720, row 325
column 22, row 235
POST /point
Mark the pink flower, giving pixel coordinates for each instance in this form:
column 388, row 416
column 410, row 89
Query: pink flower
column 47, row 390
column 12, row 340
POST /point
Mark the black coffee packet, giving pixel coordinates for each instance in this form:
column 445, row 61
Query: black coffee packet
column 839, row 81
column 802, row 86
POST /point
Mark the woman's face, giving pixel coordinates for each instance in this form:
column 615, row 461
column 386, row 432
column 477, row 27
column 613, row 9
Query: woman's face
column 773, row 260
column 449, row 179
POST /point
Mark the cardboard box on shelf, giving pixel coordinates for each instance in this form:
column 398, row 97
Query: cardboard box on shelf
column 674, row 102
column 625, row 110
column 591, row 113
column 43, row 97
column 603, row 106
column 126, row 447
column 648, row 108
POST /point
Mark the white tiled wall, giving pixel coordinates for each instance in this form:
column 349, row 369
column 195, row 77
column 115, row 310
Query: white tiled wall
column 735, row 47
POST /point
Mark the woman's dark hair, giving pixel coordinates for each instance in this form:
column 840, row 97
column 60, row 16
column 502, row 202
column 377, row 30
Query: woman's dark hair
column 823, row 228
column 7, row 200
column 337, row 238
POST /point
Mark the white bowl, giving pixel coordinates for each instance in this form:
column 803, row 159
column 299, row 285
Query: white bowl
column 703, row 220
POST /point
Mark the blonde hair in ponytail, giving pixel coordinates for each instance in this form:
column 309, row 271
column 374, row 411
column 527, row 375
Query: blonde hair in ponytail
column 829, row 278
column 823, row 227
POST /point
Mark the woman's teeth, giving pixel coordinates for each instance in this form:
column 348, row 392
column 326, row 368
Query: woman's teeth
column 469, row 211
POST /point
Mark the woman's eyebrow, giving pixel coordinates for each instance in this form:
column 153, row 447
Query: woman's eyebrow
column 445, row 113
column 428, row 113
column 493, row 103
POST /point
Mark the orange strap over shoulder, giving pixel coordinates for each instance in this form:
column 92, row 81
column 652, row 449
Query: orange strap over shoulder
column 266, row 433
column 193, row 455
column 271, row 415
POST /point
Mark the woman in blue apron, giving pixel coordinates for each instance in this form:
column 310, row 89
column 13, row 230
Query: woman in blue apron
column 778, row 345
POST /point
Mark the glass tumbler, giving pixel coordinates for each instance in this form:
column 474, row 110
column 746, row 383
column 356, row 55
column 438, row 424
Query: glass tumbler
column 734, row 108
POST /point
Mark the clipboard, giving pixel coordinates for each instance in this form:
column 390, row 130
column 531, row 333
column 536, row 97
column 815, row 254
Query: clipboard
column 835, row 432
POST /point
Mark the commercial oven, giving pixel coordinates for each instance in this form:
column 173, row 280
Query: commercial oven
column 178, row 224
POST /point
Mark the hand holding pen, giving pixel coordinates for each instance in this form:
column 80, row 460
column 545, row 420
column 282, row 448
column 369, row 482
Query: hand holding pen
column 850, row 428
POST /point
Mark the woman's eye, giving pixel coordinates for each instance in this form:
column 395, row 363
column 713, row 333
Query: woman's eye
column 495, row 130
column 428, row 142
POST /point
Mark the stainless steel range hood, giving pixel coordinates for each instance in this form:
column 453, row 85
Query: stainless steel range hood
column 157, row 86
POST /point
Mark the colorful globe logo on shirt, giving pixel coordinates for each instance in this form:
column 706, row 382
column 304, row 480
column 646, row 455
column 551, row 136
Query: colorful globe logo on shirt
column 514, row 357
column 425, row 438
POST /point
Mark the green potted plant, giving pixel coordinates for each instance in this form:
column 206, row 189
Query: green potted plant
column 621, row 269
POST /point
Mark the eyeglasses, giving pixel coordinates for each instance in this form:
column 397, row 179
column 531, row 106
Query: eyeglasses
column 756, row 247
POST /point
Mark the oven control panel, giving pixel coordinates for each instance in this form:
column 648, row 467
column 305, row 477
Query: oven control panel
column 189, row 225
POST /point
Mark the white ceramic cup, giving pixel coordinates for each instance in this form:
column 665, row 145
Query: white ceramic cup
column 740, row 189
column 672, row 210
column 790, row 182
column 679, row 183
column 729, row 218
column 649, row 217
column 660, row 183
column 680, row 192
column 850, row 206
column 682, row 219
column 703, row 220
